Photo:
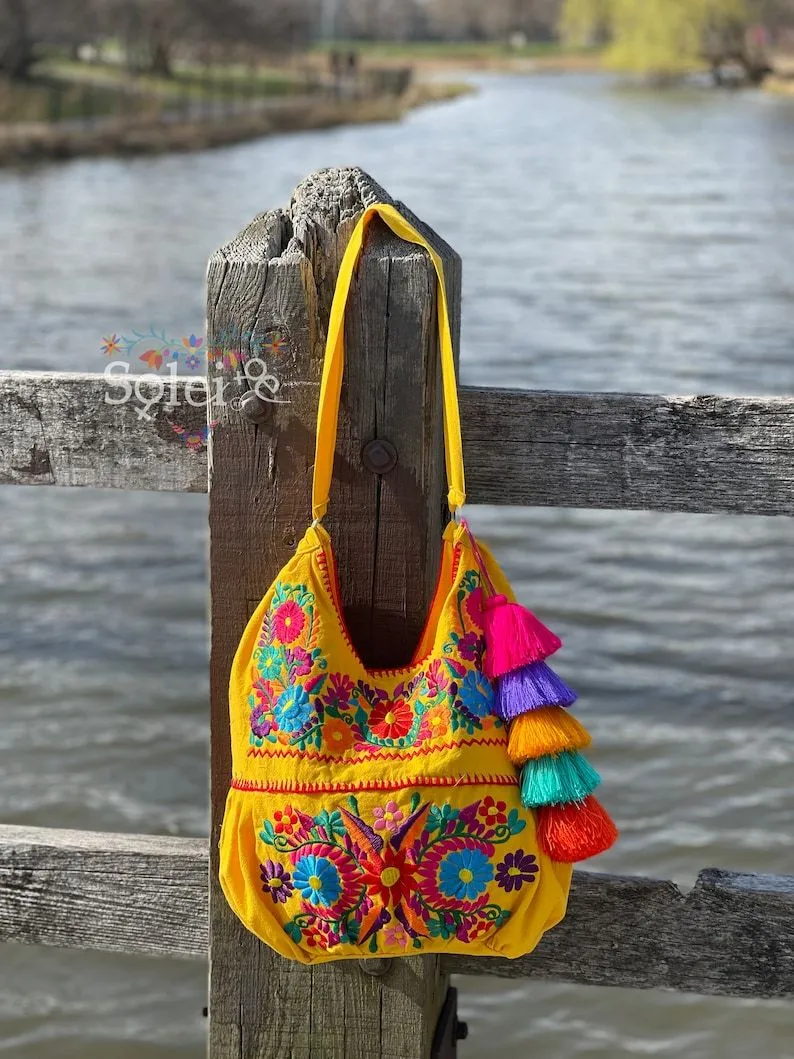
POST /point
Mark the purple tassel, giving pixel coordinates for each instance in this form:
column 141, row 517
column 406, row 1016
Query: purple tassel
column 531, row 688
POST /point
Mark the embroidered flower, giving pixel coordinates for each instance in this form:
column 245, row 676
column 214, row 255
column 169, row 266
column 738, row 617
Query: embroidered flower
column 471, row 647
column 464, row 874
column 337, row 735
column 270, row 662
column 437, row 678
column 317, row 880
column 276, row 880
column 288, row 622
column 435, row 722
column 492, row 812
column 293, row 709
column 388, row 817
column 391, row 720
column 330, row 822
column 396, row 934
column 261, row 725
column 299, row 661
column 515, row 870
column 340, row 691
column 286, row 821
column 474, row 607
column 476, row 694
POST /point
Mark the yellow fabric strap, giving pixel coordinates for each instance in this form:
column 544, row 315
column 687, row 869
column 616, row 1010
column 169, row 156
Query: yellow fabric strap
column 333, row 368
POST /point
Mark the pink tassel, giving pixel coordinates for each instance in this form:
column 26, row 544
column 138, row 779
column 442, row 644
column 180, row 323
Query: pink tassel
column 514, row 637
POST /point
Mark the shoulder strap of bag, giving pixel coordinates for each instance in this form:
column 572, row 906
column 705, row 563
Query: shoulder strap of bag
column 333, row 367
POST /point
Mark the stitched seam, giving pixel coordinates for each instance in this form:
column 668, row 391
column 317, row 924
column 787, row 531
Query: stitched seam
column 291, row 787
column 387, row 755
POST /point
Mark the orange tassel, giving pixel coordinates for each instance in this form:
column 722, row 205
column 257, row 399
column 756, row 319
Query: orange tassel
column 576, row 831
column 546, row 731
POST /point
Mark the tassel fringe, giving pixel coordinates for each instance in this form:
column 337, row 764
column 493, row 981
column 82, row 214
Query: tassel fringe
column 546, row 731
column 514, row 637
column 570, row 833
column 557, row 779
column 531, row 688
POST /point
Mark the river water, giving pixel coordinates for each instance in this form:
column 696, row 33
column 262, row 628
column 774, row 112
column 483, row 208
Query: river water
column 613, row 239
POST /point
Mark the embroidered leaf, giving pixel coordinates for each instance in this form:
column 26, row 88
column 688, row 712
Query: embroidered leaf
column 373, row 945
column 352, row 801
column 315, row 685
column 362, row 834
column 267, row 834
column 411, row 829
column 294, row 931
column 414, row 801
column 515, row 823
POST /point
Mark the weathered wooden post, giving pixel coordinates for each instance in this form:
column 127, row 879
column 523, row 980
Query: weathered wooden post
column 269, row 296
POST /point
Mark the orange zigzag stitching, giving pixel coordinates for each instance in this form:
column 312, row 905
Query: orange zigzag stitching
column 286, row 787
column 396, row 755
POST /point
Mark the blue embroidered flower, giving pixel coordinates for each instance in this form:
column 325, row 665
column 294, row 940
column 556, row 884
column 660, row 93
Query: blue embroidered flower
column 317, row 880
column 464, row 874
column 270, row 662
column 293, row 709
column 476, row 694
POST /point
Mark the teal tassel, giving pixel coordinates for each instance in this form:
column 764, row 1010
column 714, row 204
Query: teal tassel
column 557, row 779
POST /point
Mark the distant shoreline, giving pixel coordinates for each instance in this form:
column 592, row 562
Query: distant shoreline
column 34, row 142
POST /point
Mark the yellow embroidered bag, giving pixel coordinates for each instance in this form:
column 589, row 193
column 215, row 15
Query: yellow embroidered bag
column 431, row 808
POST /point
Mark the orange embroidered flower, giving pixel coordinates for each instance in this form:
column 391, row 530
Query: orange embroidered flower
column 492, row 812
column 288, row 622
column 286, row 821
column 435, row 722
column 391, row 720
column 337, row 735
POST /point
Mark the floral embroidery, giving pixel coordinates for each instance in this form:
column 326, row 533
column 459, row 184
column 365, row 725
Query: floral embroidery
column 277, row 881
column 296, row 702
column 388, row 817
column 406, row 876
column 516, row 869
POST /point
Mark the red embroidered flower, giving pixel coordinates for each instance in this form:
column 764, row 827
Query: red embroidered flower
column 286, row 821
column 389, row 876
column 474, row 607
column 391, row 720
column 492, row 812
column 288, row 622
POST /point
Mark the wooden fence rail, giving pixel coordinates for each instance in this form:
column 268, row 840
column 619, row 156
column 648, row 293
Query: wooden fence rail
column 605, row 450
column 731, row 935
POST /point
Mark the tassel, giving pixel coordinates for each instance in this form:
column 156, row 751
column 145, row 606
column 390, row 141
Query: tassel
column 574, row 832
column 547, row 731
column 514, row 637
column 556, row 779
column 531, row 688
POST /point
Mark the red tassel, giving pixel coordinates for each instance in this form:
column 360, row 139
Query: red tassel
column 576, row 831
column 514, row 637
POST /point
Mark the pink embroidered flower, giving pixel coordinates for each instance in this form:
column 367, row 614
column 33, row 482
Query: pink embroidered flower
column 288, row 622
column 388, row 817
column 301, row 662
column 437, row 678
column 474, row 607
column 396, row 934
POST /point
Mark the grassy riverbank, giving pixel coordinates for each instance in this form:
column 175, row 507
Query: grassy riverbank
column 42, row 141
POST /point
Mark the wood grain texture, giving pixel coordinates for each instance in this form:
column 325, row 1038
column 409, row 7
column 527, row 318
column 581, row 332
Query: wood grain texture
column 278, row 277
column 731, row 935
column 631, row 451
column 114, row 893
column 57, row 428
